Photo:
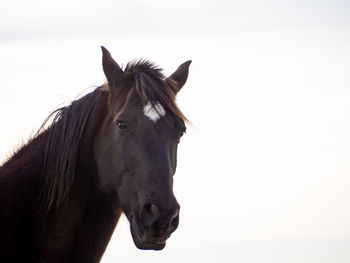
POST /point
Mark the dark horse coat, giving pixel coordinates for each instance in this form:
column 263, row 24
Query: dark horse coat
column 112, row 151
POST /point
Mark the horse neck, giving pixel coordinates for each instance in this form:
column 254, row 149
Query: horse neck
column 22, row 172
column 21, row 185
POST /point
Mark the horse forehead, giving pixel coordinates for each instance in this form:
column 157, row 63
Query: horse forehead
column 154, row 111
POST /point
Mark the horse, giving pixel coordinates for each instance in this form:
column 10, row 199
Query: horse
column 109, row 152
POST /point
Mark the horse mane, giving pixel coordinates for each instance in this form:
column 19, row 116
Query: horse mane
column 150, row 85
column 61, row 150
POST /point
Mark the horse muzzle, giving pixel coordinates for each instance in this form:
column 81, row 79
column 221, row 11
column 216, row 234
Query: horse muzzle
column 152, row 229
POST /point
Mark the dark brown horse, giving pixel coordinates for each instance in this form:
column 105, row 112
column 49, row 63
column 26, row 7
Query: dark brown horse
column 112, row 151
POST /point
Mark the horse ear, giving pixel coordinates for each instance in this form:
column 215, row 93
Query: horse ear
column 180, row 75
column 110, row 67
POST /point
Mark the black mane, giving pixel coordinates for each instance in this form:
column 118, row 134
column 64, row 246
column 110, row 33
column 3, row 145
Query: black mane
column 146, row 67
column 150, row 85
column 60, row 156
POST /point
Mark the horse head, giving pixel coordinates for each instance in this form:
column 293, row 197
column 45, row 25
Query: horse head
column 136, row 146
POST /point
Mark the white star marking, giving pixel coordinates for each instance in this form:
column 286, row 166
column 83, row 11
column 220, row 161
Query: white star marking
column 154, row 112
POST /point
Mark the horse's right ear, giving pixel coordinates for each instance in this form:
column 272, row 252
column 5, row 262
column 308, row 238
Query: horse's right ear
column 180, row 75
column 110, row 67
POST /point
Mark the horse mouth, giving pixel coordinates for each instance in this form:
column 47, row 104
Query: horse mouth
column 140, row 243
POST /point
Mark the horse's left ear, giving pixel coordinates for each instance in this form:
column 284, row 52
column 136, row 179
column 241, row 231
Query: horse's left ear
column 110, row 67
column 180, row 75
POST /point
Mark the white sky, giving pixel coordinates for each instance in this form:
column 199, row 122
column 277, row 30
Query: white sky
column 264, row 174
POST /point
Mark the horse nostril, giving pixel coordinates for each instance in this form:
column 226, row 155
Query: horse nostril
column 152, row 217
column 155, row 210
column 150, row 214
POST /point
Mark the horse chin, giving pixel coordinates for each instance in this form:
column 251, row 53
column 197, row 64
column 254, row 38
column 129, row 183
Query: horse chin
column 141, row 244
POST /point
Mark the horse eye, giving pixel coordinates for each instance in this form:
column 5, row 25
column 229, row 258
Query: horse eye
column 122, row 125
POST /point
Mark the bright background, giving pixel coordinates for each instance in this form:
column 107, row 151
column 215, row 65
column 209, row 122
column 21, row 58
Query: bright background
column 263, row 174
